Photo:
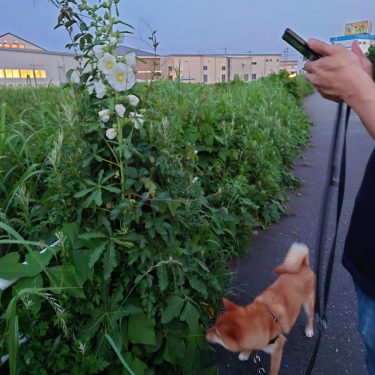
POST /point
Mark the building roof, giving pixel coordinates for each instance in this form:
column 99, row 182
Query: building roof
column 123, row 50
column 351, row 37
column 18, row 37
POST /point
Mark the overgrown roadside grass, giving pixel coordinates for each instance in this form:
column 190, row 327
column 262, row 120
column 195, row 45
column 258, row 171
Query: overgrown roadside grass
column 210, row 164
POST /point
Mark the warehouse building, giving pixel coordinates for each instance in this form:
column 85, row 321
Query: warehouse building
column 199, row 68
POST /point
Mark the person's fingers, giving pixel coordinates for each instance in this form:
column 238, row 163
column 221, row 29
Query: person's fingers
column 357, row 49
column 365, row 62
column 311, row 77
column 320, row 47
column 309, row 67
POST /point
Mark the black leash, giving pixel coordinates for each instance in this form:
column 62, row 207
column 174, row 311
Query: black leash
column 321, row 307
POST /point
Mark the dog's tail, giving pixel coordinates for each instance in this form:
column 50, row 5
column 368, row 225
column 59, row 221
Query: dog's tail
column 298, row 255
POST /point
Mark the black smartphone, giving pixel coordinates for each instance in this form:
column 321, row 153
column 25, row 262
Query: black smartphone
column 300, row 45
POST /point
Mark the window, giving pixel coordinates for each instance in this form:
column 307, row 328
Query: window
column 223, row 78
column 253, row 77
column 21, row 46
column 205, row 78
column 223, row 67
column 30, row 73
column 8, row 73
column 2, row 75
column 170, row 68
column 6, row 45
column 254, row 63
column 23, row 73
column 14, row 45
column 246, row 77
column 236, row 76
column 266, row 60
column 16, row 73
column 204, row 67
column 40, row 74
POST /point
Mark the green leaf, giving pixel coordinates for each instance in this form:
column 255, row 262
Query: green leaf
column 141, row 330
column 64, row 279
column 190, row 315
column 112, row 189
column 82, row 193
column 110, row 260
column 81, row 264
column 198, row 285
column 131, row 172
column 97, row 252
column 13, row 344
column 10, row 268
column 118, row 353
column 173, row 310
column 91, row 235
column 174, row 350
column 162, row 273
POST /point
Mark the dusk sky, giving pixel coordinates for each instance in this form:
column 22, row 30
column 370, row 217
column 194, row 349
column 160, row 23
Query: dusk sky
column 205, row 26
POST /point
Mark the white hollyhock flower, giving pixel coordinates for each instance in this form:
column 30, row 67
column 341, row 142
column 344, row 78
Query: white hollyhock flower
column 137, row 119
column 112, row 40
column 133, row 100
column 131, row 60
column 100, row 89
column 121, row 77
column 111, row 133
column 107, row 63
column 104, row 115
column 98, row 51
column 120, row 110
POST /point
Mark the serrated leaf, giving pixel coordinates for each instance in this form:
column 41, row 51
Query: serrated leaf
column 198, row 285
column 141, row 330
column 162, row 273
column 97, row 252
column 173, row 310
column 110, row 260
column 64, row 279
column 190, row 315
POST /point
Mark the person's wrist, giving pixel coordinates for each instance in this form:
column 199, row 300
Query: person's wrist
column 361, row 91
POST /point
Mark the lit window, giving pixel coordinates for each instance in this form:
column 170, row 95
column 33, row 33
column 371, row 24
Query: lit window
column 40, row 74
column 16, row 73
column 6, row 45
column 14, row 45
column 30, row 73
column 1, row 45
column 23, row 73
column 2, row 73
column 8, row 73
column 22, row 46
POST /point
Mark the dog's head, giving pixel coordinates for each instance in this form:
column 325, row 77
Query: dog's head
column 237, row 328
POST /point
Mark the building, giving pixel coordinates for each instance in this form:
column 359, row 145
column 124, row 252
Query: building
column 199, row 68
column 23, row 62
column 291, row 66
column 360, row 31
column 148, row 64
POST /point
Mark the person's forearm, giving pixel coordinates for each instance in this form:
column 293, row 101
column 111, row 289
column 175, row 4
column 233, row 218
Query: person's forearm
column 363, row 103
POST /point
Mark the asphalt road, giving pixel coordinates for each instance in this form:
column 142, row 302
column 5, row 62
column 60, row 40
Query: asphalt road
column 341, row 350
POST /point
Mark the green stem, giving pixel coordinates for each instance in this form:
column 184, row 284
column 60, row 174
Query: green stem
column 2, row 127
column 120, row 161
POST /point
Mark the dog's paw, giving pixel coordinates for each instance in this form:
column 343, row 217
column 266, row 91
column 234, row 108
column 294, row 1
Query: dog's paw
column 244, row 356
column 309, row 332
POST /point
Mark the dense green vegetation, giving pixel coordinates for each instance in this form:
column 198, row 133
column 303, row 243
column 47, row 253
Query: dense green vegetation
column 147, row 265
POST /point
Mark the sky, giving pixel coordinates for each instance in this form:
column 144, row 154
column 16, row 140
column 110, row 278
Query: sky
column 200, row 26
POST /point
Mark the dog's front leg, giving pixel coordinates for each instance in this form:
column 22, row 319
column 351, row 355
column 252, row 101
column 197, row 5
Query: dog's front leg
column 276, row 355
column 244, row 356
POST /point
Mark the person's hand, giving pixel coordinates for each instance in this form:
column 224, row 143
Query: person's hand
column 365, row 62
column 339, row 74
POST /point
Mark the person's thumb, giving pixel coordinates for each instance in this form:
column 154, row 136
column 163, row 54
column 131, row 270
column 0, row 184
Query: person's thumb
column 320, row 47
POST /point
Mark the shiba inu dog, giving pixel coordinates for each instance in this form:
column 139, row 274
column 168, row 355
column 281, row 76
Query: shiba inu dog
column 261, row 325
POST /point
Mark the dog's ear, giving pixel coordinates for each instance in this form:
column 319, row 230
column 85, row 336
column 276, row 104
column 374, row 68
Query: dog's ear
column 228, row 305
